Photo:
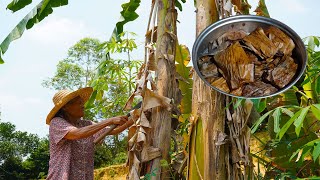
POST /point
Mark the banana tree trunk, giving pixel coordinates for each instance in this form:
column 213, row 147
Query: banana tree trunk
column 166, row 83
column 206, row 156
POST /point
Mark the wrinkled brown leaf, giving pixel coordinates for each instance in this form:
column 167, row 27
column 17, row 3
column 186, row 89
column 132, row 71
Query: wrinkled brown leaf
column 134, row 174
column 232, row 35
column 284, row 72
column 258, row 42
column 236, row 65
column 152, row 100
column 283, row 42
column 148, row 153
column 152, row 66
column 209, row 70
column 221, row 84
column 132, row 141
column 152, row 83
column 258, row 88
column 129, row 102
column 141, row 137
column 154, row 32
column 144, row 121
column 141, row 71
column 136, row 162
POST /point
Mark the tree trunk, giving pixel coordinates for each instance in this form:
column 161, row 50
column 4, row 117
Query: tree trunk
column 206, row 158
column 166, row 83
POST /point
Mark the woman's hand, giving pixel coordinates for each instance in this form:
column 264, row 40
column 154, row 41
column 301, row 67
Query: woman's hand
column 118, row 120
column 122, row 127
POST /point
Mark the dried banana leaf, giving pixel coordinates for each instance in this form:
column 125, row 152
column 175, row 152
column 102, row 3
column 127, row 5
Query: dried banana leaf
column 204, row 59
column 221, row 84
column 232, row 36
column 259, row 43
column 283, row 42
column 259, row 70
column 237, row 92
column 257, row 64
column 209, row 70
column 284, row 72
column 236, row 66
column 258, row 88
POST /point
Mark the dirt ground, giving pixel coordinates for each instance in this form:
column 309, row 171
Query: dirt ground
column 115, row 172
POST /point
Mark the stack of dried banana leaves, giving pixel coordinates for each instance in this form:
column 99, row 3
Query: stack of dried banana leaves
column 250, row 65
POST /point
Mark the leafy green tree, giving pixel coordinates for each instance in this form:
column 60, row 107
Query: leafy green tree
column 77, row 69
column 293, row 124
column 37, row 164
column 22, row 155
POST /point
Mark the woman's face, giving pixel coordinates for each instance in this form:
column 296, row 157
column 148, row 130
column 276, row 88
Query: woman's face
column 75, row 107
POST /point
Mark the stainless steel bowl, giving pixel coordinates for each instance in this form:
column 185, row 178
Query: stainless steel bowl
column 247, row 23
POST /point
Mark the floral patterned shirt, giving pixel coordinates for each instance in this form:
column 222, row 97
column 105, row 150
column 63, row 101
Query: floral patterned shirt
column 70, row 159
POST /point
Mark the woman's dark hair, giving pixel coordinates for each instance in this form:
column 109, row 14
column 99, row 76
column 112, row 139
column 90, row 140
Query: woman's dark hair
column 60, row 114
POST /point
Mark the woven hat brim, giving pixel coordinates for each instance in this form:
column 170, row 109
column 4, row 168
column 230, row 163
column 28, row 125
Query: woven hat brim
column 84, row 93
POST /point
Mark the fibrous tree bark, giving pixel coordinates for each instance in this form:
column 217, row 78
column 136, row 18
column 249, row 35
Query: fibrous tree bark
column 206, row 157
column 166, row 83
column 219, row 138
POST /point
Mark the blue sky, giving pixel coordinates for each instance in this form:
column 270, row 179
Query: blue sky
column 33, row 58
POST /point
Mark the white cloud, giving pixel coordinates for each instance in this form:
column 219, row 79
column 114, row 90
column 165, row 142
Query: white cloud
column 59, row 30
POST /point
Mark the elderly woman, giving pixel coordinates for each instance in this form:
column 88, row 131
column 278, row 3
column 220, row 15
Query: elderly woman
column 72, row 139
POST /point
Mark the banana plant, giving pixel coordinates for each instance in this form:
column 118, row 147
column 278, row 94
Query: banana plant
column 294, row 121
column 45, row 8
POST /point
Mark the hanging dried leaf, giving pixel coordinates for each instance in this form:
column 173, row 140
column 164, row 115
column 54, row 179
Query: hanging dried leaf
column 152, row 83
column 136, row 162
column 227, row 6
column 141, row 71
column 133, row 174
column 152, row 100
column 148, row 153
column 141, row 84
column 152, row 32
column 129, row 102
column 141, row 137
column 132, row 140
column 241, row 6
column 141, row 129
column 132, row 131
column 144, row 121
column 135, row 114
column 152, row 66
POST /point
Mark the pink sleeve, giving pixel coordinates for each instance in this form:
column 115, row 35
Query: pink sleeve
column 59, row 128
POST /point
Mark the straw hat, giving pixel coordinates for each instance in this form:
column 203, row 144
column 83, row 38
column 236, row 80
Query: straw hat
column 62, row 97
